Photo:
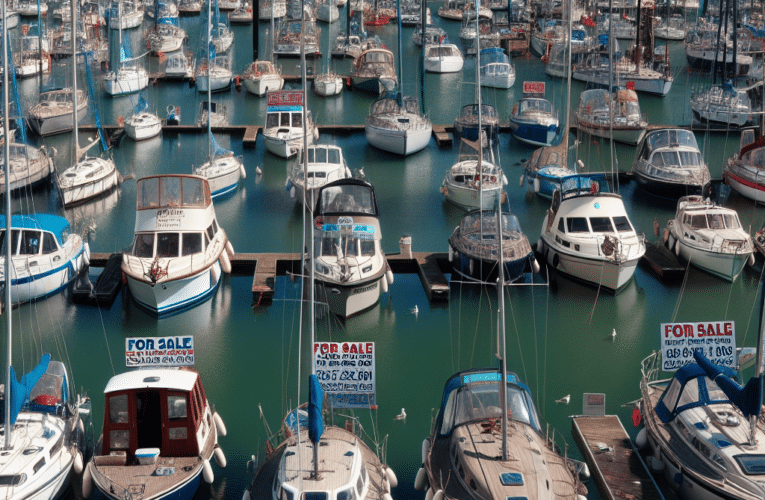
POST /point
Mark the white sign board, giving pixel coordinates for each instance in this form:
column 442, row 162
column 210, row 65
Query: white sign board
column 715, row 339
column 346, row 371
column 594, row 404
column 159, row 351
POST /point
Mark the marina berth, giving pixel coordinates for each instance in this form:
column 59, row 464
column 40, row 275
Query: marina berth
column 533, row 121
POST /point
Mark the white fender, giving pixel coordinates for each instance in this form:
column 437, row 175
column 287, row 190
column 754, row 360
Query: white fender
column 751, row 259
column 670, row 241
column 242, row 171
column 77, row 462
column 384, row 285
column 451, row 253
column 523, row 178
column 387, row 496
column 220, row 458
column 389, row 276
column 535, row 265
column 642, row 439
column 421, row 480
column 225, row 262
column 439, row 495
column 425, row 448
column 207, row 473
column 246, row 495
column 229, row 248
column 581, row 497
column 392, row 479
column 429, row 494
column 504, row 180
column 293, row 192
column 219, row 425
column 656, row 464
column 87, row 483
column 80, row 426
column 677, row 248
column 537, row 185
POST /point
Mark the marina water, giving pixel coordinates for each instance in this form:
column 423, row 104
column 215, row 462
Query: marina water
column 559, row 336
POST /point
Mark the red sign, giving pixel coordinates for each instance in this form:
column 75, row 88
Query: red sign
column 533, row 87
column 24, row 29
column 630, row 85
column 285, row 98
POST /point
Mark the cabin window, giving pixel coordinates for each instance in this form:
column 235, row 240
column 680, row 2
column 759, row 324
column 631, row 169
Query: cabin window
column 167, row 244
column 14, row 245
column 698, row 221
column 144, row 245
column 601, row 225
column 211, row 231
column 170, row 192
column 30, row 243
column 15, row 480
column 192, row 192
column 39, row 465
column 315, row 495
column 577, row 225
column 192, row 243
column 622, row 224
column 176, row 407
column 715, row 221
column 148, row 193
column 346, row 494
column 272, row 120
column 285, row 120
column 731, row 221
column 297, row 119
column 119, row 440
column 690, row 393
column 49, row 243
column 561, row 227
column 118, row 409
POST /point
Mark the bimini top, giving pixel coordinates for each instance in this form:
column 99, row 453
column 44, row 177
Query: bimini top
column 474, row 395
column 156, row 378
column 172, row 191
column 347, row 196
column 57, row 225
column 581, row 184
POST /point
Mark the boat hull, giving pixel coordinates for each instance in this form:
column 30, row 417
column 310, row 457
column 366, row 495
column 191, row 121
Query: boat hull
column 747, row 187
column 58, row 124
column 444, row 64
column 724, row 265
column 469, row 198
column 401, row 142
column 143, row 130
column 285, row 148
column 216, row 84
column 348, row 300
column 663, row 189
column 175, row 296
column 533, row 134
column 624, row 135
column 262, row 85
column 476, row 269
column 82, row 193
column 123, row 86
column 373, row 85
column 224, row 177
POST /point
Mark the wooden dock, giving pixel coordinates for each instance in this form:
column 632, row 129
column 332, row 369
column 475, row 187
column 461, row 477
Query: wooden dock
column 617, row 468
column 443, row 138
column 661, row 261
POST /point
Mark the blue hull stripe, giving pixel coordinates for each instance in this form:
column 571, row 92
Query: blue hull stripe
column 29, row 279
column 180, row 306
column 225, row 190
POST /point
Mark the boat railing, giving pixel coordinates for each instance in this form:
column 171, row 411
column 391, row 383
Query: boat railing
column 731, row 245
column 172, row 268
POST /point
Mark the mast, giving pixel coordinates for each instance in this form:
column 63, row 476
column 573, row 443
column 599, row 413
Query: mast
column 7, row 270
column 501, row 332
column 39, row 45
column 758, row 366
column 76, row 145
column 209, row 84
column 400, row 57
column 564, row 139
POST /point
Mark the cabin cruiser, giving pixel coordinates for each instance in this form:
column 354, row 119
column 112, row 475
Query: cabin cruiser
column 443, row 58
column 374, row 71
column 283, row 133
column 745, row 171
column 53, row 113
column 178, row 251
column 723, row 104
column 533, row 122
column 594, row 115
column 497, row 69
column 326, row 164
column 30, row 167
column 466, row 124
column 395, row 124
column 87, row 179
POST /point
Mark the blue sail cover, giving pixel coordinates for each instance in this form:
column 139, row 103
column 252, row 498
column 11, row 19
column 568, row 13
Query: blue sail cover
column 142, row 105
column 217, row 149
column 748, row 398
column 20, row 391
column 315, row 399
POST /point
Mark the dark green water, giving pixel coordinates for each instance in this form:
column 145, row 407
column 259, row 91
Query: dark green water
column 558, row 337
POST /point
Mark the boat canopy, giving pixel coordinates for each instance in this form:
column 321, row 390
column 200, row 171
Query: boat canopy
column 55, row 224
column 534, row 105
column 574, row 185
column 474, row 395
column 173, row 191
column 390, row 105
column 494, row 55
column 695, row 385
column 488, row 112
column 350, row 196
column 473, row 221
column 671, row 138
column 372, row 56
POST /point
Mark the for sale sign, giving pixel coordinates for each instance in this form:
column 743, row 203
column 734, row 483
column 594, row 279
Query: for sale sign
column 716, row 340
column 346, row 371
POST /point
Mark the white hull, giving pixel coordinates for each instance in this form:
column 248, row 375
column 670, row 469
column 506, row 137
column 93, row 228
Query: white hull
column 167, row 45
column 22, row 177
column 725, row 265
column 81, row 193
column 753, row 191
column 498, row 82
column 657, row 86
column 444, row 64
column 131, row 83
column 223, row 176
column 139, row 129
column 348, row 300
column 624, row 135
column 469, row 198
column 402, row 142
column 128, row 20
column 328, row 86
column 285, row 147
column 176, row 295
column 216, row 84
column 261, row 86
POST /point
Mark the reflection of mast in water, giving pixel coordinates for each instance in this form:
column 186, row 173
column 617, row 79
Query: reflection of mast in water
column 84, row 218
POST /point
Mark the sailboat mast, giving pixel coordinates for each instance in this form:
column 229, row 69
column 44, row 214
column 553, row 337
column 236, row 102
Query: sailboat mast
column 564, row 139
column 478, row 99
column 75, row 137
column 209, row 82
column 400, row 57
column 311, row 313
column 501, row 330
column 758, row 366
column 119, row 26
column 7, row 267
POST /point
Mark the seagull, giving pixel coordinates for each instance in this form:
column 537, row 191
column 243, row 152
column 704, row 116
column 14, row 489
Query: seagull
column 415, row 310
column 258, row 171
column 613, row 334
column 401, row 416
column 565, row 399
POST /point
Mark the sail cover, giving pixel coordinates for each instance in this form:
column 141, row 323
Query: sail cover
column 315, row 397
column 20, row 391
column 748, row 398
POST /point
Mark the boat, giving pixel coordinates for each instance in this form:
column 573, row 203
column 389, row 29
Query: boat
column 29, row 167
column 483, row 25
column 327, row 11
column 702, row 49
column 189, row 7
column 173, row 115
column 261, row 77
column 142, row 124
column 287, row 40
column 130, row 77
column 213, row 72
column 46, row 258
column 443, row 58
column 594, row 115
column 347, row 46
column 327, row 83
column 326, row 164
column 532, row 120
column 466, row 124
column 668, row 163
column 411, row 13
column 474, row 247
column 374, row 71
column 179, row 66
column 158, row 437
column 476, row 180
column 745, row 171
column 166, row 37
column 216, row 112
column 351, row 269
column 185, row 267
column 242, row 15
column 451, row 9
column 229, row 4
column 31, row 8
column 11, row 17
column 710, row 237
column 395, row 124
column 672, row 28
column 53, row 114
column 276, row 7
column 545, row 34
column 223, row 37
column 124, row 14
column 433, row 34
column 497, row 69
column 722, row 104
column 283, row 133
column 587, row 234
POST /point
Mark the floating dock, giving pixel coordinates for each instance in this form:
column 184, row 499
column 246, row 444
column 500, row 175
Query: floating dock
column 108, row 284
column 616, row 467
column 661, row 261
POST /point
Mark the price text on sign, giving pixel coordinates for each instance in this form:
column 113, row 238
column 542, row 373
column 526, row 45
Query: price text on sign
column 159, row 351
column 345, row 367
column 533, row 87
column 285, row 98
column 715, row 339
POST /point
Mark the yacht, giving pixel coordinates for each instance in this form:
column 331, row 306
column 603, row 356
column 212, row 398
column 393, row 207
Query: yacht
column 533, row 121
column 745, row 171
column 497, row 70
column 466, row 124
column 142, row 124
column 30, row 167
column 53, row 113
column 374, row 71
column 172, row 270
column 395, row 124
column 166, row 38
column 443, row 58
column 605, row 114
column 723, row 104
column 287, row 41
column 262, row 76
column 179, row 66
column 326, row 164
column 283, row 133
column 128, row 79
column 476, row 180
column 215, row 73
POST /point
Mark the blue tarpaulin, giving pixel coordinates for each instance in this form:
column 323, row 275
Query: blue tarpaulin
column 315, row 398
column 20, row 391
column 748, row 398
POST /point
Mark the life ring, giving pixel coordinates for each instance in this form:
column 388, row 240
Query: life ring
column 608, row 247
column 493, row 178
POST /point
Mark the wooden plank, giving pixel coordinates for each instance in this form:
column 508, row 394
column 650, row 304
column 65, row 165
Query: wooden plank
column 250, row 138
column 443, row 138
column 663, row 262
column 618, row 470
column 264, row 280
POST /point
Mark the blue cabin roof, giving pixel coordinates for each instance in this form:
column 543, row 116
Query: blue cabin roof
column 45, row 222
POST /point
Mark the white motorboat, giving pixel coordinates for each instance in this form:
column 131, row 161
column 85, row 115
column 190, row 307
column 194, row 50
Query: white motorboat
column 709, row 237
column 722, row 104
column 617, row 115
column 475, row 181
column 433, row 34
column 497, row 70
column 179, row 66
column 242, row 15
column 374, row 71
column 166, row 38
column 668, row 163
column 159, row 435
column 326, row 164
column 328, row 84
column 46, row 257
column 395, row 124
column 222, row 37
column 443, row 58
column 142, row 124
column 347, row 46
column 283, row 133
column 262, row 76
column 53, row 113
column 125, row 14
column 745, row 171
column 170, row 271
column 587, row 234
column 533, row 121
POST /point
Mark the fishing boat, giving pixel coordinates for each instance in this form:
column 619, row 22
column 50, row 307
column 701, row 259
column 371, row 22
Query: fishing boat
column 532, row 120
column 710, row 237
column 474, row 247
column 476, row 180
column 170, row 271
column 158, row 437
column 497, row 69
column 605, row 114
column 466, row 124
column 374, row 71
column 723, row 104
column 326, row 164
column 283, row 133
column 53, row 114
column 443, row 58
column 668, row 163
column 745, row 171
column 587, row 234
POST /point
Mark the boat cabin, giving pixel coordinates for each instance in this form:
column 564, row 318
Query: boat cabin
column 351, row 196
column 155, row 408
column 671, row 148
column 284, row 119
column 41, row 234
column 475, row 395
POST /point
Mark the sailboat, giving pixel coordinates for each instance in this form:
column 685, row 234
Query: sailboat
column 129, row 77
column 214, row 70
column 142, row 124
column 328, row 83
column 41, row 431
column 262, row 76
